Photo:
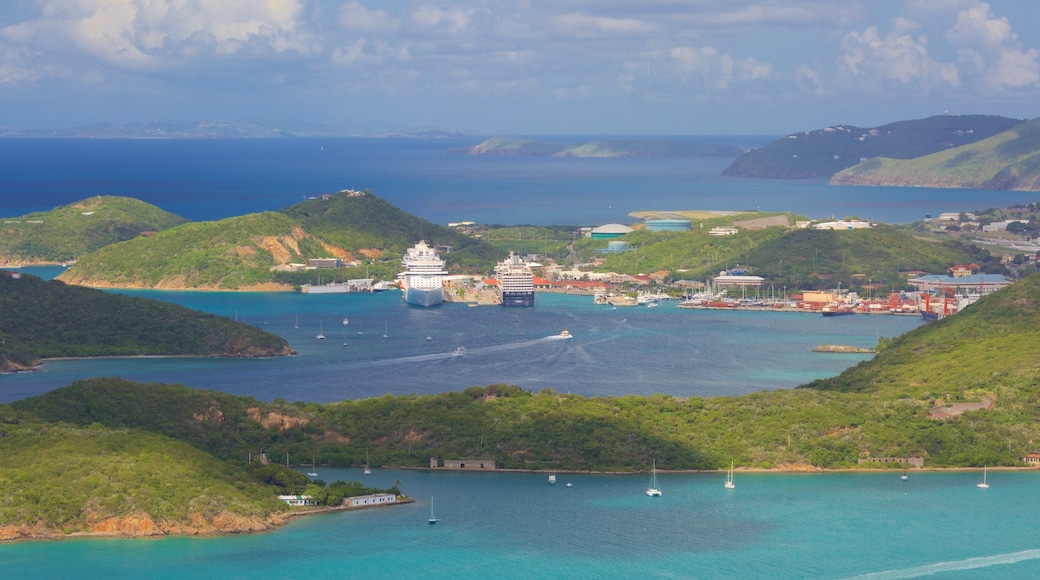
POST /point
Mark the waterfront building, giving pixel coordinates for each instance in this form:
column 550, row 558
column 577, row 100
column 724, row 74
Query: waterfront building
column 370, row 500
column 730, row 281
column 979, row 284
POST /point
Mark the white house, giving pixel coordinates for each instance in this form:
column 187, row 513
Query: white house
column 298, row 500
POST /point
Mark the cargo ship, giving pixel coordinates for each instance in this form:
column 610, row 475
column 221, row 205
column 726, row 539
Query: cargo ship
column 516, row 281
column 423, row 278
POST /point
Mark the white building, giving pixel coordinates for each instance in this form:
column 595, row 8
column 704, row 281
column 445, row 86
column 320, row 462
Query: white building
column 842, row 225
column 298, row 500
column 1001, row 226
column 723, row 231
column 730, row 281
column 975, row 284
column 370, row 500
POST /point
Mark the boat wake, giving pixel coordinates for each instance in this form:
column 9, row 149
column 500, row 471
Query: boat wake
column 458, row 352
column 955, row 566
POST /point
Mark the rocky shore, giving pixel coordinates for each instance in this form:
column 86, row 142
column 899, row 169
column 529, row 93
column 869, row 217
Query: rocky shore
column 843, row 349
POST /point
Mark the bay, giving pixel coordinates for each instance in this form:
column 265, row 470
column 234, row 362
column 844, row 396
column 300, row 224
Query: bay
column 614, row 351
column 514, row 525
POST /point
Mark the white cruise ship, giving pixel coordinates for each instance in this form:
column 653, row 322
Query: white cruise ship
column 516, row 281
column 422, row 279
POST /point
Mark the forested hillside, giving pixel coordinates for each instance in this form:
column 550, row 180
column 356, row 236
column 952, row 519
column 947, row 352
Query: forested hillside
column 65, row 233
column 40, row 319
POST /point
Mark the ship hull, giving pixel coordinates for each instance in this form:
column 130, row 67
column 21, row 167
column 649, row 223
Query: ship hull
column 424, row 297
column 523, row 299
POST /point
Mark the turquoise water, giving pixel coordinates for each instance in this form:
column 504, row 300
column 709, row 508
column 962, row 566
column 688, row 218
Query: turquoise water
column 516, row 526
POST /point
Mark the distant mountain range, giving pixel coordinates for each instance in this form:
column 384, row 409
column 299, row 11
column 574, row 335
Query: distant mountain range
column 172, row 129
column 1009, row 160
column 825, row 152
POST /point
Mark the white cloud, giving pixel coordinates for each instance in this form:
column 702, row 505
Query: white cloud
column 878, row 60
column 355, row 16
column 1014, row 69
column 585, row 25
column 809, row 80
column 717, row 70
column 989, row 49
column 149, row 34
column 454, row 19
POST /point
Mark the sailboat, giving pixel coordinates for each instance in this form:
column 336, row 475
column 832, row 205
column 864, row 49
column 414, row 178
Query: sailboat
column 321, row 333
column 296, row 324
column 983, row 485
column 344, row 338
column 653, row 490
column 313, row 473
column 433, row 520
column 367, row 470
column 386, row 329
column 361, row 330
column 729, row 478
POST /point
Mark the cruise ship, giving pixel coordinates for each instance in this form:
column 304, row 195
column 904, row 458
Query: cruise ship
column 516, row 281
column 422, row 279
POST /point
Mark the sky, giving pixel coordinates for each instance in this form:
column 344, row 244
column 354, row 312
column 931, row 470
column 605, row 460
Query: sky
column 521, row 67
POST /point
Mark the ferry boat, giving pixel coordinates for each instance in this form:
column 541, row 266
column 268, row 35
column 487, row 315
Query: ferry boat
column 516, row 281
column 423, row 276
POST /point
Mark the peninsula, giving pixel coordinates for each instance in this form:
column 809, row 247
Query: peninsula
column 41, row 319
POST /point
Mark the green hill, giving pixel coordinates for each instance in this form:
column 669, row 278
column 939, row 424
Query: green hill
column 371, row 227
column 122, row 482
column 1008, row 160
column 65, row 233
column 131, row 459
column 40, row 319
column 796, row 258
column 509, row 146
column 824, row 152
column 253, row 252
column 236, row 253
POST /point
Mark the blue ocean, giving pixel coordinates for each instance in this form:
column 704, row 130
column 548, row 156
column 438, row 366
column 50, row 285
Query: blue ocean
column 834, row 525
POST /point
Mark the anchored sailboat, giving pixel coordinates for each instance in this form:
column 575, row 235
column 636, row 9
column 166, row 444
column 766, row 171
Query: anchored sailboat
column 653, row 490
column 433, row 519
